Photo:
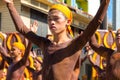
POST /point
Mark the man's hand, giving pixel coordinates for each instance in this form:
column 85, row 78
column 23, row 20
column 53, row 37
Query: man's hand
column 34, row 26
column 8, row 1
column 89, row 50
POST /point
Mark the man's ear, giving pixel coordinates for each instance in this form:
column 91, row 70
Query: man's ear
column 21, row 52
column 68, row 22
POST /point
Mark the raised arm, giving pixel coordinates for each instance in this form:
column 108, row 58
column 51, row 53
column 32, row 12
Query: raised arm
column 3, row 51
column 91, row 61
column 92, row 26
column 89, row 56
column 5, row 55
column 97, row 68
column 31, row 69
column 101, row 50
column 21, row 27
column 23, row 61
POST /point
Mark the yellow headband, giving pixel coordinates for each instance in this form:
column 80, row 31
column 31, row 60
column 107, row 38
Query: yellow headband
column 19, row 45
column 66, row 11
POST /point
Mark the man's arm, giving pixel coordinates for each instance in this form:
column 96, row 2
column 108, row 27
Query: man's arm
column 89, row 56
column 23, row 61
column 27, row 52
column 5, row 55
column 21, row 27
column 101, row 50
column 3, row 52
column 97, row 68
column 92, row 26
column 30, row 69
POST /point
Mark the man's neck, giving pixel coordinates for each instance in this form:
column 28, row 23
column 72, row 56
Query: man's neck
column 61, row 39
column 118, row 49
column 15, row 60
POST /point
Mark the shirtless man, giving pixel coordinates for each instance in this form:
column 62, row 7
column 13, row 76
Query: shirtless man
column 112, row 57
column 16, row 61
column 61, row 54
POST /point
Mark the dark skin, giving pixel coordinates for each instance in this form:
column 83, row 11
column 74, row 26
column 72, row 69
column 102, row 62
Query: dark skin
column 112, row 57
column 60, row 57
column 16, row 68
column 36, row 73
column 101, row 72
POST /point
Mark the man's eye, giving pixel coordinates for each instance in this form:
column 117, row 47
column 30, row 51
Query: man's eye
column 56, row 18
column 53, row 18
column 48, row 19
column 117, row 34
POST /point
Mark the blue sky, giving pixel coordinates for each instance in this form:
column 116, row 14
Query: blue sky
column 109, row 12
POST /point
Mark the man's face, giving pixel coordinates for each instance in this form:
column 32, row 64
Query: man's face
column 118, row 38
column 15, row 52
column 57, row 21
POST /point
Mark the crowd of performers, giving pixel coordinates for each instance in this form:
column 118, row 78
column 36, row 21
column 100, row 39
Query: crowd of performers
column 61, row 55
